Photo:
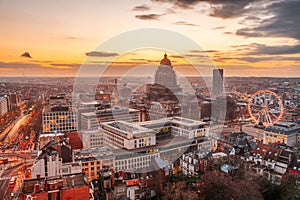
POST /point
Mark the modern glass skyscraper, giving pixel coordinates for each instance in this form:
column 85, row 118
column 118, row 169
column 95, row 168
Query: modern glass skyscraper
column 217, row 87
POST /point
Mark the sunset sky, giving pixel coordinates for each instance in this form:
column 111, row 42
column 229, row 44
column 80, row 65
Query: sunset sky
column 245, row 37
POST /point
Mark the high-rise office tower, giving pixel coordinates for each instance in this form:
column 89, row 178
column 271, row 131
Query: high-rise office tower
column 217, row 87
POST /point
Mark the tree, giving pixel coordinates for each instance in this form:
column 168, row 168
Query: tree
column 268, row 190
column 289, row 189
column 216, row 186
column 246, row 190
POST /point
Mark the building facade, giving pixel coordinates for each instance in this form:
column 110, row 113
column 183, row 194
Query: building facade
column 59, row 119
column 91, row 120
column 121, row 134
column 217, row 87
column 91, row 138
column 4, row 105
column 282, row 132
column 72, row 186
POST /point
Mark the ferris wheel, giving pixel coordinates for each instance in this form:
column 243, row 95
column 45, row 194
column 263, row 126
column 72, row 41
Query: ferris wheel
column 266, row 107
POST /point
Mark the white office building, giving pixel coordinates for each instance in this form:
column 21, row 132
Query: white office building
column 121, row 134
column 91, row 138
column 91, row 120
column 52, row 165
column 59, row 119
column 187, row 128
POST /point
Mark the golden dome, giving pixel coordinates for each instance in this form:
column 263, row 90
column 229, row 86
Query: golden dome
column 166, row 61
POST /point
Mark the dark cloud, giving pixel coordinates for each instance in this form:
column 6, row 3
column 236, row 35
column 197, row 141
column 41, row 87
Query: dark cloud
column 218, row 27
column 71, row 65
column 262, row 49
column 219, row 8
column 254, row 59
column 120, row 63
column 176, row 56
column 180, row 3
column 145, row 60
column 276, row 50
column 248, row 32
column 41, row 61
column 16, row 65
column 72, row 38
column 25, row 55
column 27, row 66
column 148, row 17
column 185, row 23
column 284, row 21
column 101, row 54
column 272, row 58
column 230, row 9
column 228, row 33
column 32, row 69
column 204, row 51
column 254, row 18
column 142, row 7
column 238, row 67
column 211, row 51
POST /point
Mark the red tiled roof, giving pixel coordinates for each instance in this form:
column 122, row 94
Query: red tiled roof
column 74, row 140
column 261, row 149
column 273, row 153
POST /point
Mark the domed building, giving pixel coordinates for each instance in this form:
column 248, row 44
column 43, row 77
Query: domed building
column 166, row 76
column 165, row 89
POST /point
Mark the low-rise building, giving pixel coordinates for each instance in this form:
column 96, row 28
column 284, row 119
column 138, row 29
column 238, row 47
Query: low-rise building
column 135, row 159
column 282, row 132
column 91, row 138
column 91, row 120
column 196, row 162
column 71, row 186
column 94, row 159
column 121, row 134
column 179, row 126
column 272, row 162
column 50, row 164
column 45, row 138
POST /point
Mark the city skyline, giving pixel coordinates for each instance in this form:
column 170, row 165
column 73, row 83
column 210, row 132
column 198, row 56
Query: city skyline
column 245, row 38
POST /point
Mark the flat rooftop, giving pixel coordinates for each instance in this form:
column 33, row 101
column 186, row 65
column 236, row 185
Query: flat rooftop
column 114, row 110
column 70, row 180
column 286, row 127
column 284, row 124
column 177, row 120
column 106, row 152
column 126, row 127
column 97, row 150
column 58, row 108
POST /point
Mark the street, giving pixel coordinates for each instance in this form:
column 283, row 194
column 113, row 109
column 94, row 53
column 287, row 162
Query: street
column 13, row 133
column 5, row 191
